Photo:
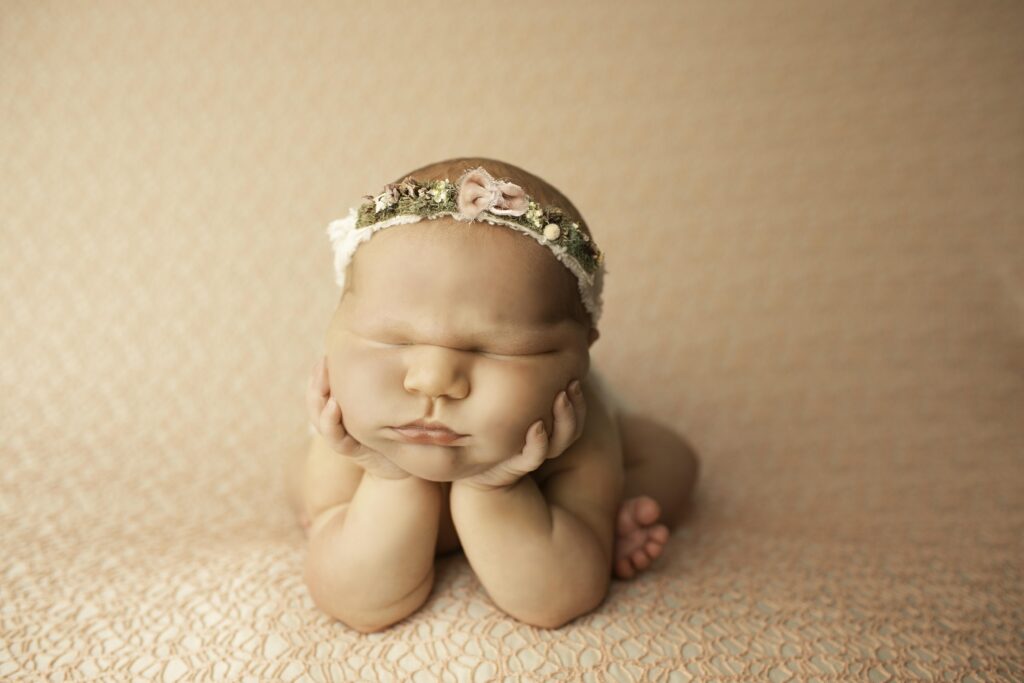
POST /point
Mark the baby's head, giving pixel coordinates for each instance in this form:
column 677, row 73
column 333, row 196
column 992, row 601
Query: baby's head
column 463, row 322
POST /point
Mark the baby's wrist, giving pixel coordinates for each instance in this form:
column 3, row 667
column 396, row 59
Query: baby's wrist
column 469, row 483
column 398, row 478
column 388, row 476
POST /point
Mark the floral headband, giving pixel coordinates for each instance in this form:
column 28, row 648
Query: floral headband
column 476, row 195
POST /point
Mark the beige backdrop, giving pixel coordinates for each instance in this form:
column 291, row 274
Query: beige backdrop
column 814, row 225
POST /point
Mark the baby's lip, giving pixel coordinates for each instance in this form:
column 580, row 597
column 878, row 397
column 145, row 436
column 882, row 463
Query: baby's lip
column 430, row 427
column 416, row 434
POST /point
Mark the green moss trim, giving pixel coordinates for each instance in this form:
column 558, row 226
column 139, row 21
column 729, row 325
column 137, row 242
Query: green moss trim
column 436, row 198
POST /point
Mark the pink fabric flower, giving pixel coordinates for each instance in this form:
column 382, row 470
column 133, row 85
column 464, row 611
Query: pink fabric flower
column 479, row 191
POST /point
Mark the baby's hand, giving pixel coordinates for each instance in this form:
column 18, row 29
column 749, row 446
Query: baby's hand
column 325, row 415
column 570, row 412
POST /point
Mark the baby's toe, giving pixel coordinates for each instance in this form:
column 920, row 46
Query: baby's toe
column 654, row 548
column 626, row 522
column 659, row 533
column 636, row 540
column 640, row 559
column 646, row 510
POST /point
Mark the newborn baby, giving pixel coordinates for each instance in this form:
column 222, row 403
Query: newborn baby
column 456, row 408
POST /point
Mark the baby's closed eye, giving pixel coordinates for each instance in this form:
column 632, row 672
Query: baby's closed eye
column 489, row 352
column 510, row 349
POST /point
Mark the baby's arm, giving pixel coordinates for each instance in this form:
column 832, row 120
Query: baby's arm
column 545, row 557
column 370, row 560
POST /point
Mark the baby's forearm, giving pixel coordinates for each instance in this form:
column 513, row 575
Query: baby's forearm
column 372, row 563
column 538, row 562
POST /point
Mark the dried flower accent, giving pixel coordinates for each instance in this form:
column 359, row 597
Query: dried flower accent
column 409, row 186
column 476, row 195
column 387, row 198
column 468, row 198
column 534, row 213
column 439, row 191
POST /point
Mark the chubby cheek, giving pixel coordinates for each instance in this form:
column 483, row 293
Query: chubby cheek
column 506, row 397
column 515, row 398
column 359, row 384
column 505, row 411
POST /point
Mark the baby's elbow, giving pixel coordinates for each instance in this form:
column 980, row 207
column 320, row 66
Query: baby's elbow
column 557, row 615
column 556, row 620
column 549, row 624
column 369, row 626
column 367, row 621
column 371, row 621
column 344, row 602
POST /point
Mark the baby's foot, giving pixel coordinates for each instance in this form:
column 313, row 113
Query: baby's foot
column 638, row 539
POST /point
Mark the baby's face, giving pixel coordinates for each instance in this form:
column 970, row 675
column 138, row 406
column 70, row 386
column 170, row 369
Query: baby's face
column 466, row 328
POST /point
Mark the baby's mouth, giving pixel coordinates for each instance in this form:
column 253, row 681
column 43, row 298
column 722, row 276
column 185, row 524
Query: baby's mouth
column 415, row 432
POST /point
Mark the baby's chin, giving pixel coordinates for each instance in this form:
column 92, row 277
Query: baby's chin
column 433, row 462
column 427, row 461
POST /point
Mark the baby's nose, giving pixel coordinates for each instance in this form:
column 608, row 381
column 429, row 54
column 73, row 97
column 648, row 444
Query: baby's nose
column 435, row 372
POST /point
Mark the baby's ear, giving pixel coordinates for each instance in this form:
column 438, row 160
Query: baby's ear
column 594, row 334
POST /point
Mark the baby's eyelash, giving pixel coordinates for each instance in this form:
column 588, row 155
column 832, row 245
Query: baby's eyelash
column 482, row 352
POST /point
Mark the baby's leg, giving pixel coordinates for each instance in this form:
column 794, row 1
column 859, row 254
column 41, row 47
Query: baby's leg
column 659, row 463
column 661, row 471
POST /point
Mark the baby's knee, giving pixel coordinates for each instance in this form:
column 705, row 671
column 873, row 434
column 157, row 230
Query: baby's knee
column 646, row 438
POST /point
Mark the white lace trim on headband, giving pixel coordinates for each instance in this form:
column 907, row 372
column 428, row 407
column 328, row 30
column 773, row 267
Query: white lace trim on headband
column 345, row 239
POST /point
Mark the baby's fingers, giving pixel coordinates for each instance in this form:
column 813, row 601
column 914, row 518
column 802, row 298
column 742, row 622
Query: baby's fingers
column 534, row 450
column 565, row 426
column 333, row 430
column 579, row 405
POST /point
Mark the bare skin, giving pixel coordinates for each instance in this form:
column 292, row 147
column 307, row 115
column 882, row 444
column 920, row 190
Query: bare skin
column 478, row 328
column 660, row 467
